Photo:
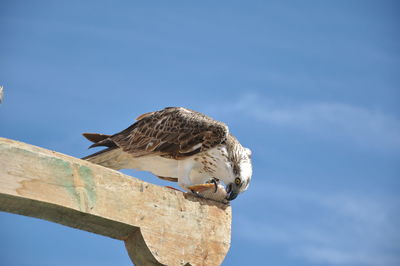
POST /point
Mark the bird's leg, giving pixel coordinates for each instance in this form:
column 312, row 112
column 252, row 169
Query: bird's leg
column 212, row 190
column 200, row 187
column 212, row 183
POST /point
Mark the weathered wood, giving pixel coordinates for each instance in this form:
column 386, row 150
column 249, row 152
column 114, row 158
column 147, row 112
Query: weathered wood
column 160, row 226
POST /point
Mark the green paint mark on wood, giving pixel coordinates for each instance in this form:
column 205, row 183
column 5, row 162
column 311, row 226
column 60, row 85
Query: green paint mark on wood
column 62, row 174
column 90, row 187
column 75, row 178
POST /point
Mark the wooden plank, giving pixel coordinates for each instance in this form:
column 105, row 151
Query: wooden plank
column 160, row 226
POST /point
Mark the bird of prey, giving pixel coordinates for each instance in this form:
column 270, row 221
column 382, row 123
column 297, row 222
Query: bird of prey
column 180, row 145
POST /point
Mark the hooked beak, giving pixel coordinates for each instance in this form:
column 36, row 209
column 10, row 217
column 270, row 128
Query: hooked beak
column 233, row 191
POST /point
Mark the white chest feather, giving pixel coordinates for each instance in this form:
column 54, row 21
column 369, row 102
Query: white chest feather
column 196, row 169
column 212, row 164
column 159, row 166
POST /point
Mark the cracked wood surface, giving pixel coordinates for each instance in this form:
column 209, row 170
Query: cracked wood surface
column 160, row 226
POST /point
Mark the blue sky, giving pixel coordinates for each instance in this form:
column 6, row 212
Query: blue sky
column 311, row 87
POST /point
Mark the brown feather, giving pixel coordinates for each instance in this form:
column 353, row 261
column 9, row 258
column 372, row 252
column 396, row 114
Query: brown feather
column 172, row 132
column 143, row 115
column 97, row 153
column 172, row 179
column 95, row 137
column 99, row 140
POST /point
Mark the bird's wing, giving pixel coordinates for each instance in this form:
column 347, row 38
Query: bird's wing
column 174, row 132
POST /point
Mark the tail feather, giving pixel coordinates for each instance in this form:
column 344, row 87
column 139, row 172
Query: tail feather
column 100, row 140
column 112, row 157
column 89, row 157
column 95, row 137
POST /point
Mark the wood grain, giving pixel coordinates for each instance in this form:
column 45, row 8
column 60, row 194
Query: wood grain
column 160, row 226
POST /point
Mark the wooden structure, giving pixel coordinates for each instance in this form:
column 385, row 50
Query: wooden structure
column 160, row 226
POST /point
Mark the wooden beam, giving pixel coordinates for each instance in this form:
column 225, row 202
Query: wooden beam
column 160, row 226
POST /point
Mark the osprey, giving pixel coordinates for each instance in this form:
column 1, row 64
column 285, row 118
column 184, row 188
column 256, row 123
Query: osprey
column 180, row 145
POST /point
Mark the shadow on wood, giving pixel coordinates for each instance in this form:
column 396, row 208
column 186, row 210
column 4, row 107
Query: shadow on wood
column 160, row 226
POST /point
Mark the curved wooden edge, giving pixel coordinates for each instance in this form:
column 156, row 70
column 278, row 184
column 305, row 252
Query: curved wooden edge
column 159, row 225
column 139, row 252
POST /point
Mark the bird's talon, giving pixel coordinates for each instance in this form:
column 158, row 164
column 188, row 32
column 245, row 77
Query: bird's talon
column 216, row 185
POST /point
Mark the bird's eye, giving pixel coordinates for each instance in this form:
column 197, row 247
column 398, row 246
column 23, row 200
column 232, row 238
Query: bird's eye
column 237, row 181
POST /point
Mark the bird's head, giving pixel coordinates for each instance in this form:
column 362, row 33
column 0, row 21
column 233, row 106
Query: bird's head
column 242, row 171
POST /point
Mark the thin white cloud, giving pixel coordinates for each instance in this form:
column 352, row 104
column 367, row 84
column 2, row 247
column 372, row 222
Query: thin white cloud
column 335, row 256
column 323, row 228
column 366, row 127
